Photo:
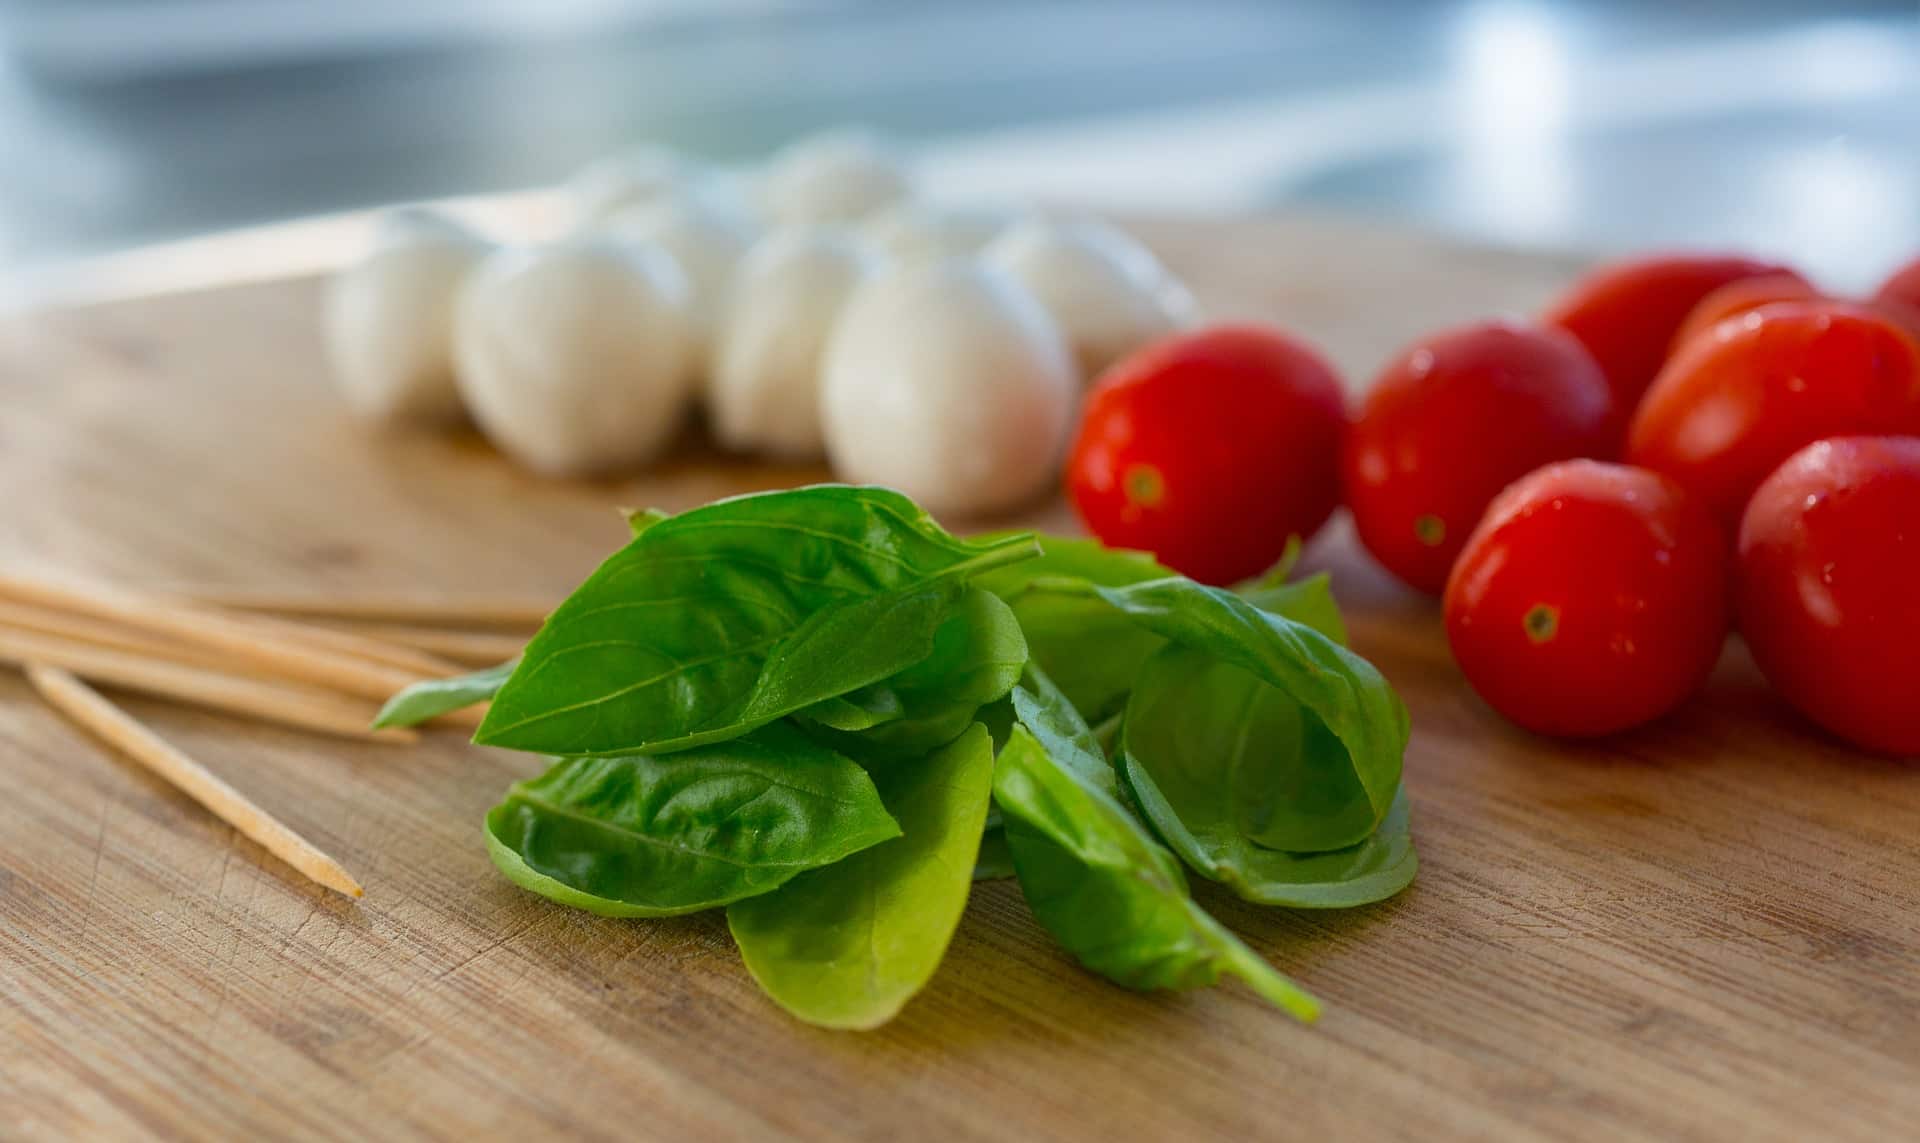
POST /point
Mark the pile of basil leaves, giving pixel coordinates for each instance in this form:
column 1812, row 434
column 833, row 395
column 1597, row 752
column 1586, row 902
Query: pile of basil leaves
column 822, row 712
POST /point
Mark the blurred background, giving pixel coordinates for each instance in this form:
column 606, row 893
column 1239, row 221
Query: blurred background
column 1787, row 128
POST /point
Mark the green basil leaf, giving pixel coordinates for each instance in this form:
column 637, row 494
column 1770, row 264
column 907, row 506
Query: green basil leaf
column 978, row 654
column 1109, row 893
column 1088, row 651
column 725, row 618
column 1309, row 601
column 1306, row 736
column 848, row 945
column 431, row 698
column 642, row 836
column 1205, row 839
column 1044, row 710
column 640, row 519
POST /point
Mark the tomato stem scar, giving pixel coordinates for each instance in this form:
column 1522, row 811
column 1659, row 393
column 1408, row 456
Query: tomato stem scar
column 1542, row 622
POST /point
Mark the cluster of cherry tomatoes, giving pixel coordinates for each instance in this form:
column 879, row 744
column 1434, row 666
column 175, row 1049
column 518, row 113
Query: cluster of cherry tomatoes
column 1680, row 446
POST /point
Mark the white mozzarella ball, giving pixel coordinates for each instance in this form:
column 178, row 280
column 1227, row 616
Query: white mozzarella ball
column 841, row 176
column 1108, row 292
column 389, row 318
column 638, row 175
column 915, row 231
column 949, row 382
column 765, row 390
column 708, row 244
column 573, row 357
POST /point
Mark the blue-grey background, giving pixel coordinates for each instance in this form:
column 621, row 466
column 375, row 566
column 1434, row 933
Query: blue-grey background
column 1792, row 128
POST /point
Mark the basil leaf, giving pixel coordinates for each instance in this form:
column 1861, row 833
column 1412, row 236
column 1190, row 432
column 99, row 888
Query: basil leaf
column 978, row 654
column 431, row 698
column 1107, row 892
column 848, row 945
column 725, row 618
column 1087, row 650
column 1309, row 601
column 1040, row 706
column 1305, row 737
column 640, row 836
column 1204, row 838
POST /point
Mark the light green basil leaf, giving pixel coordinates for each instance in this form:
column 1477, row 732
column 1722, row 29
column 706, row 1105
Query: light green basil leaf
column 643, row 836
column 1089, row 652
column 725, row 618
column 1206, row 840
column 431, row 698
column 848, row 945
column 640, row 519
column 1306, row 736
column 1109, row 893
column 978, row 654
column 1040, row 706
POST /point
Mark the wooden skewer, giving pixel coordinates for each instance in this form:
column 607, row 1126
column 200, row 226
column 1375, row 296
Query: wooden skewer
column 103, row 634
column 91, row 710
column 468, row 648
column 386, row 652
column 520, row 613
column 238, row 638
column 271, row 702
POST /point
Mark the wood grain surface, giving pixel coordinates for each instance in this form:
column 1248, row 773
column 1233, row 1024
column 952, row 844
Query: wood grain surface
column 1706, row 930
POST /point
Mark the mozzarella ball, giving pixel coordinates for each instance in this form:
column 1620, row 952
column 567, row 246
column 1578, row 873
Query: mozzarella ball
column 1108, row 292
column 949, row 382
column 837, row 177
column 921, row 232
column 706, row 242
column 573, row 357
column 790, row 291
column 632, row 177
column 389, row 318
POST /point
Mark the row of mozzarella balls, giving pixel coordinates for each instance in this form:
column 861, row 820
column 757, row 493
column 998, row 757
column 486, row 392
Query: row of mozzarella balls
column 831, row 312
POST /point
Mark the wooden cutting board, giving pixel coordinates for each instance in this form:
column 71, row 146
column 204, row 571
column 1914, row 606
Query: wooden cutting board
column 1708, row 929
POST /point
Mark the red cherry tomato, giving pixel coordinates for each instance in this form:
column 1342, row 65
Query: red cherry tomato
column 1591, row 599
column 1736, row 298
column 1210, row 449
column 1828, row 571
column 1903, row 288
column 1739, row 401
column 1451, row 422
column 1626, row 313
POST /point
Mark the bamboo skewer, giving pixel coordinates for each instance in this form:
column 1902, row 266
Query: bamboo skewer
column 240, row 638
column 468, row 648
column 91, row 710
column 101, row 633
column 386, row 652
column 305, row 709
column 516, row 612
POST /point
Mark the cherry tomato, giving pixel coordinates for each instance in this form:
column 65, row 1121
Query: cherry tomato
column 1736, row 298
column 1591, row 599
column 1626, row 313
column 1451, row 422
column 1903, row 288
column 1210, row 449
column 1736, row 403
column 1829, row 563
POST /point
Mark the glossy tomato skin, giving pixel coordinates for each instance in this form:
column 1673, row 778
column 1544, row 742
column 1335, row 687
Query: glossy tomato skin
column 1736, row 298
column 1452, row 421
column 1828, row 587
column 1741, row 399
column 1626, row 313
column 1592, row 598
column 1209, row 449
